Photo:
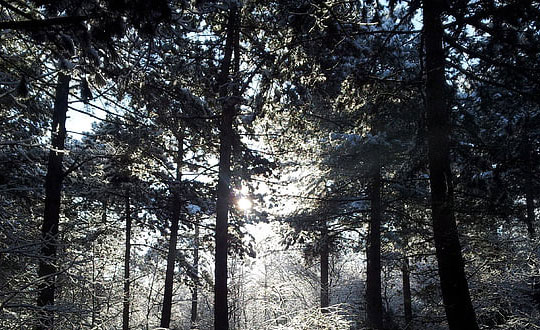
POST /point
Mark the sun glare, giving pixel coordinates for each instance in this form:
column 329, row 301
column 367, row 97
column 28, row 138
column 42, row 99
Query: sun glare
column 244, row 203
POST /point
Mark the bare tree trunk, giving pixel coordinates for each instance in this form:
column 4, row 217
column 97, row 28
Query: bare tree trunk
column 373, row 291
column 195, row 289
column 228, row 93
column 150, row 293
column 324, row 252
column 265, row 293
column 53, row 190
column 455, row 291
column 94, row 293
column 175, row 218
column 95, row 301
column 127, row 261
column 530, row 214
column 529, row 197
column 407, row 296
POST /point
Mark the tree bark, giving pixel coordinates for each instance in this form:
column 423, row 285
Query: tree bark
column 195, row 289
column 529, row 196
column 96, row 304
column 457, row 302
column 530, row 214
column 47, row 268
column 127, row 261
column 373, row 290
column 171, row 255
column 407, row 296
column 324, row 253
column 227, row 93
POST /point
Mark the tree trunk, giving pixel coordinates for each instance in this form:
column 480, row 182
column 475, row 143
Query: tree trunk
column 53, row 190
column 529, row 197
column 373, row 291
column 324, row 252
column 149, row 301
column 455, row 291
column 530, row 214
column 96, row 304
column 94, row 291
column 227, row 94
column 127, row 261
column 195, row 289
column 175, row 218
column 407, row 296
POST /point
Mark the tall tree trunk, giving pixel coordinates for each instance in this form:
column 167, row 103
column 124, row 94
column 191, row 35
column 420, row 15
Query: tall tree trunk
column 94, row 291
column 529, row 196
column 195, row 289
column 455, row 291
column 324, row 252
column 373, row 291
column 530, row 213
column 149, row 305
column 175, row 218
column 227, row 92
column 53, row 190
column 407, row 296
column 96, row 305
column 127, row 261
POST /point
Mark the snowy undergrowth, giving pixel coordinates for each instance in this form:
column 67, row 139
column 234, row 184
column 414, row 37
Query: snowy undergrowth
column 334, row 318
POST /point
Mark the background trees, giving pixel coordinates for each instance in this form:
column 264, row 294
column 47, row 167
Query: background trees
column 333, row 117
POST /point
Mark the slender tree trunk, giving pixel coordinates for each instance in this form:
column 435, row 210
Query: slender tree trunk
column 150, row 293
column 171, row 258
column 455, row 291
column 195, row 289
column 53, row 190
column 265, row 293
column 94, row 293
column 373, row 291
column 175, row 218
column 530, row 214
column 529, row 197
column 127, row 261
column 407, row 296
column 324, row 252
column 95, row 300
column 227, row 93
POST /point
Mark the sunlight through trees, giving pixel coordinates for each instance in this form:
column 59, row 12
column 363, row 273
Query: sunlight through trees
column 269, row 165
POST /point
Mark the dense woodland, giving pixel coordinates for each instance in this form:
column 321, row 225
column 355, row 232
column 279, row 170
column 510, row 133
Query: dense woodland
column 273, row 164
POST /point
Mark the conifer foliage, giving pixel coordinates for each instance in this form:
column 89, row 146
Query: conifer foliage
column 243, row 164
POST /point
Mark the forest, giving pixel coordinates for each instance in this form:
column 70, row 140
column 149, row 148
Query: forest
column 269, row 165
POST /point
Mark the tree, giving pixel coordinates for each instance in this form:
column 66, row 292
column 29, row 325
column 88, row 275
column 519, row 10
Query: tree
column 228, row 91
column 455, row 291
column 361, row 76
column 127, row 263
column 373, row 290
column 171, row 256
column 53, row 188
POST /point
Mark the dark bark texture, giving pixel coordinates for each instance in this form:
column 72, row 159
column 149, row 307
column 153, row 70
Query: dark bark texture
column 407, row 296
column 171, row 255
column 530, row 214
column 195, row 289
column 374, row 308
column 228, row 94
column 324, row 253
column 529, row 196
column 457, row 302
column 127, row 262
column 53, row 190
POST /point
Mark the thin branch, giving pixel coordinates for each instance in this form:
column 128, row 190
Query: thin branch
column 41, row 23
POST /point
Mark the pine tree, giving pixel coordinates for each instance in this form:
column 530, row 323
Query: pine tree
column 456, row 297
